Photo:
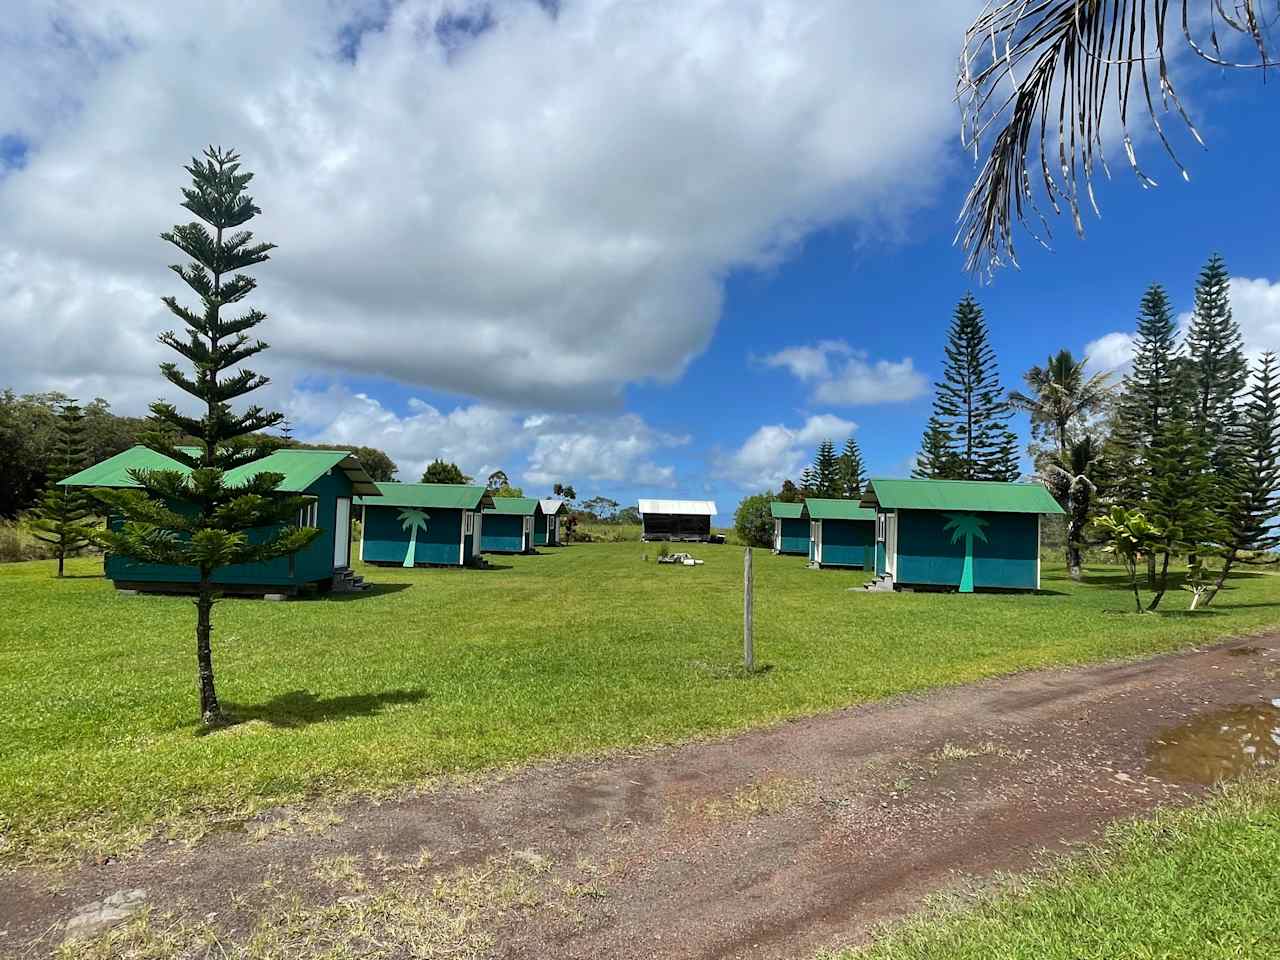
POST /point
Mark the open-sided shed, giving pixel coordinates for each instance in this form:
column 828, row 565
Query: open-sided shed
column 790, row 528
column 329, row 478
column 423, row 524
column 841, row 533
column 688, row 520
column 546, row 521
column 508, row 525
column 963, row 534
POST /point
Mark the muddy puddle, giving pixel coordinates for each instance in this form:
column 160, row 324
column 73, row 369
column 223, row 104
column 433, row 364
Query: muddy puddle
column 1218, row 745
column 1245, row 651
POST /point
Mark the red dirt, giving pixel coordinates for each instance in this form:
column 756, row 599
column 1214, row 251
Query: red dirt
column 772, row 843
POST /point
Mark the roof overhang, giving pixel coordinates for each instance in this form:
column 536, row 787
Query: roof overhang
column 362, row 485
column 683, row 508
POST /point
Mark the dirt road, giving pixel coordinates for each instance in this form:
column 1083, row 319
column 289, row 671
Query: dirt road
column 772, row 843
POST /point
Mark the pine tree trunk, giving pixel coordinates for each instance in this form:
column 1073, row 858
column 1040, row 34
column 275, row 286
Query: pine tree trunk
column 1133, row 582
column 1074, row 561
column 61, row 560
column 210, row 711
column 1227, row 563
column 1151, row 571
column 1161, row 584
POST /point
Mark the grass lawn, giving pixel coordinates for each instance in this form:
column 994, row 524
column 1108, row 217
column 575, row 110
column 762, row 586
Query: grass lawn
column 574, row 650
column 1198, row 884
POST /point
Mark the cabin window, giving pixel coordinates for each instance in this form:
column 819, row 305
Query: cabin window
column 309, row 516
column 468, row 522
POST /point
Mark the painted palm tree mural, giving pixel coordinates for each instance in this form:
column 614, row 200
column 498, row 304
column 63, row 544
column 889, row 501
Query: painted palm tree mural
column 968, row 526
column 413, row 521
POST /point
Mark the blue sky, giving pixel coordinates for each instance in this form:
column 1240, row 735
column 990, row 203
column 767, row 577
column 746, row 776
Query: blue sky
column 645, row 252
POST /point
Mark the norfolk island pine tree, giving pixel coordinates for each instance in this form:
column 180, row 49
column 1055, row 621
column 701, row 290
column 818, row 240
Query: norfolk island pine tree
column 193, row 519
column 66, row 517
column 970, row 410
column 1250, row 530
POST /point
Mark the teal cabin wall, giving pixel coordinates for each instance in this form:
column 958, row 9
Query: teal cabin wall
column 386, row 540
column 848, row 543
column 310, row 565
column 502, row 533
column 540, row 528
column 795, row 536
column 1008, row 559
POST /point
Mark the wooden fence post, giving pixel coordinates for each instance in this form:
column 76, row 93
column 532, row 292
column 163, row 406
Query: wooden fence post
column 748, row 646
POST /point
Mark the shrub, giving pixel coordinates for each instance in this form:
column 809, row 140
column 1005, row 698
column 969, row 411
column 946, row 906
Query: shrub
column 753, row 522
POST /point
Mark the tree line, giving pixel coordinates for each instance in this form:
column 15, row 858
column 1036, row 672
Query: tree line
column 33, row 449
column 1179, row 461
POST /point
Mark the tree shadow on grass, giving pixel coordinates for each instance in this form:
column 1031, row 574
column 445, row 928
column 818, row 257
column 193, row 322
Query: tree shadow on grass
column 300, row 708
column 1120, row 580
column 376, row 589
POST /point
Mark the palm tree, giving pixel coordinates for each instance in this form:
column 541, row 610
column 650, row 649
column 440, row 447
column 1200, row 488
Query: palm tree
column 1069, row 482
column 968, row 526
column 1023, row 63
column 1061, row 395
column 413, row 521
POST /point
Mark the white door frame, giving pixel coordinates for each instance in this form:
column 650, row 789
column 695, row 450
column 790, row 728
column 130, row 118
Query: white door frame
column 341, row 536
column 891, row 544
column 777, row 535
column 816, row 533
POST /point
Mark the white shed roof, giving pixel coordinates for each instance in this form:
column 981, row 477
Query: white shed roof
column 551, row 505
column 687, row 507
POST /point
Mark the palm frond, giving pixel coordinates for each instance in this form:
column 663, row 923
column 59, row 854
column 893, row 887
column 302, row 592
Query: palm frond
column 1038, row 79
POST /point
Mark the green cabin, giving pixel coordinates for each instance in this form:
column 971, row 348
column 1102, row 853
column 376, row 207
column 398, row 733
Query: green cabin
column 958, row 534
column 546, row 521
column 330, row 478
column 422, row 524
column 790, row 528
column 508, row 525
column 841, row 533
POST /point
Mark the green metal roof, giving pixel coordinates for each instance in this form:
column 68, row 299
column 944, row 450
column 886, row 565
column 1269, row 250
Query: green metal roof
column 782, row 510
column 442, row 496
column 300, row 468
column 989, row 496
column 114, row 471
column 837, row 509
column 513, row 506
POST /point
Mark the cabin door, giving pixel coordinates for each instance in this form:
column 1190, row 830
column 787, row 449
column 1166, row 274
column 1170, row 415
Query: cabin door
column 342, row 533
column 816, row 535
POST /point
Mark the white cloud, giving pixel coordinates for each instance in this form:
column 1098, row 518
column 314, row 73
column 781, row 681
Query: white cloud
column 776, row 452
column 844, row 376
column 1255, row 305
column 535, row 215
column 539, row 449
column 1109, row 352
column 809, row 363
column 570, row 448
